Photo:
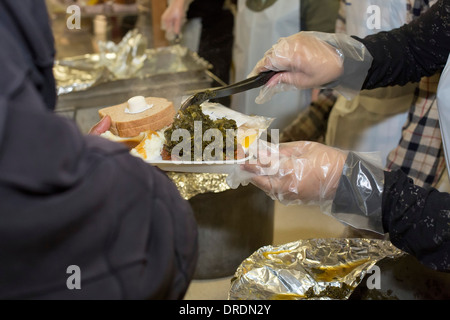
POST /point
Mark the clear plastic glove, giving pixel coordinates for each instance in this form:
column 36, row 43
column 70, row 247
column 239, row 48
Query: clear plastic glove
column 346, row 185
column 293, row 173
column 173, row 18
column 315, row 60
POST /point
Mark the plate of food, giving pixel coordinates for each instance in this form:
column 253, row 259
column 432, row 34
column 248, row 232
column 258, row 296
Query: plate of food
column 206, row 138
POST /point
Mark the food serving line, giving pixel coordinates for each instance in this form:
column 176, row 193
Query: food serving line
column 235, row 226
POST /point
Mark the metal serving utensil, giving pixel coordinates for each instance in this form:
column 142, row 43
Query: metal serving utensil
column 247, row 84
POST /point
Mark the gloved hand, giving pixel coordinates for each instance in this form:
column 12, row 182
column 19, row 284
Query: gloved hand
column 173, row 18
column 315, row 60
column 294, row 173
column 346, row 185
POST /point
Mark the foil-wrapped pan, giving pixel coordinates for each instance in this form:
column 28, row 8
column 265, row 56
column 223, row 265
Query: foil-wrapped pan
column 316, row 269
column 192, row 184
column 126, row 58
column 80, row 73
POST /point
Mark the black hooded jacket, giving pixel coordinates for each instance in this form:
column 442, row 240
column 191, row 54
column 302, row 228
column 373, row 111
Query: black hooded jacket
column 72, row 200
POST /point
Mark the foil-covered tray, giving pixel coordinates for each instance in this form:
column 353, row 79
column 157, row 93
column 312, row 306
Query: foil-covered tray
column 161, row 65
column 316, row 269
column 192, row 184
column 169, row 72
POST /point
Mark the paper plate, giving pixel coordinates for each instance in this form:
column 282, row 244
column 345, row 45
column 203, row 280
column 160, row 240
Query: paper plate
column 221, row 167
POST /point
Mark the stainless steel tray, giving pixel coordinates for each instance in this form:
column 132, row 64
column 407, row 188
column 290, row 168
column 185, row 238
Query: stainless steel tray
column 83, row 82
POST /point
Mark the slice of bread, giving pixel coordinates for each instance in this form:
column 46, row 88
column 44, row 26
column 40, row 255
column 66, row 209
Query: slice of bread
column 129, row 125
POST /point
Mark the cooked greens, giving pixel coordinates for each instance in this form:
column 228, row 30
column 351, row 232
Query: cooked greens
column 203, row 145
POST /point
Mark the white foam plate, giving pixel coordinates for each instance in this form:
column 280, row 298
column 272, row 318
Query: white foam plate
column 221, row 167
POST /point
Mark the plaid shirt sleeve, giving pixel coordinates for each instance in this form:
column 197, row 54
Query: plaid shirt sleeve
column 420, row 151
column 311, row 124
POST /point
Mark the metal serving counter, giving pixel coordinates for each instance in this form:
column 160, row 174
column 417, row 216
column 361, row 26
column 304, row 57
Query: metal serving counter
column 86, row 85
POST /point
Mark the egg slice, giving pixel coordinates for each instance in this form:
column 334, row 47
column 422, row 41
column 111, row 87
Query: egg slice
column 150, row 148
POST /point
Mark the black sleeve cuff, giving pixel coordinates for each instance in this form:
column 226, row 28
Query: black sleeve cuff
column 358, row 199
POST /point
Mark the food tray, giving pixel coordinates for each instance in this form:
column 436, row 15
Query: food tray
column 82, row 81
column 220, row 167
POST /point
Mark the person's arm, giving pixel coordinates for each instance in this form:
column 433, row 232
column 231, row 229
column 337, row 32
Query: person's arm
column 418, row 220
column 174, row 16
column 69, row 199
column 355, row 190
column 74, row 200
column 346, row 64
column 420, row 48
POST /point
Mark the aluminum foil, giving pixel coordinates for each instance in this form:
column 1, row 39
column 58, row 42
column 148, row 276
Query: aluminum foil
column 127, row 57
column 79, row 73
column 316, row 269
column 192, row 184
column 125, row 61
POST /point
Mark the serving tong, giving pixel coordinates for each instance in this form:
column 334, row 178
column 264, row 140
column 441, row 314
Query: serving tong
column 225, row 91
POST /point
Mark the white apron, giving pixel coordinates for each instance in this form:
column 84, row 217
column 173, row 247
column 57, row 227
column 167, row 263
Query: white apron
column 374, row 119
column 363, row 17
column 255, row 33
